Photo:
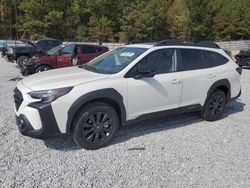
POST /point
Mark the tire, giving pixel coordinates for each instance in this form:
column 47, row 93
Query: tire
column 215, row 106
column 22, row 60
column 96, row 125
column 42, row 68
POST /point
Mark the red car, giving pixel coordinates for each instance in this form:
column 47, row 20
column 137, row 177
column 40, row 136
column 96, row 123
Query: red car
column 63, row 56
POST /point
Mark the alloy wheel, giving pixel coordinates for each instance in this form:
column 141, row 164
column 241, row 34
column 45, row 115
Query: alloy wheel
column 216, row 105
column 97, row 127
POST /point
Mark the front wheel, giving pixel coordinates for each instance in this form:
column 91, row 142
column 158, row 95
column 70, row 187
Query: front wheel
column 96, row 126
column 42, row 68
column 22, row 60
column 215, row 106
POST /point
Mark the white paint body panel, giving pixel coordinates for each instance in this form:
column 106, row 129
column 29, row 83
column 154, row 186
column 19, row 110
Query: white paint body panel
column 139, row 96
column 155, row 94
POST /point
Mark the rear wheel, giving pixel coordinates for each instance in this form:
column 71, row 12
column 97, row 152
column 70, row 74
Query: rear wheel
column 215, row 106
column 95, row 126
column 42, row 68
column 22, row 60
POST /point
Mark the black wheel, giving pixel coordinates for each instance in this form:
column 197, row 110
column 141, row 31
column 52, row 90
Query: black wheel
column 95, row 126
column 215, row 106
column 42, row 68
column 22, row 60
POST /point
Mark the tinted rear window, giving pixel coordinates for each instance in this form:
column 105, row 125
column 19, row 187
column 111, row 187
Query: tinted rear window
column 88, row 50
column 193, row 59
column 217, row 59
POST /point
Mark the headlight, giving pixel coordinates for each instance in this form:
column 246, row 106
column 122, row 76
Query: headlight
column 49, row 96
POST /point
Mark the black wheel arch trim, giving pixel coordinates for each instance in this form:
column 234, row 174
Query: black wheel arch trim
column 101, row 95
column 220, row 83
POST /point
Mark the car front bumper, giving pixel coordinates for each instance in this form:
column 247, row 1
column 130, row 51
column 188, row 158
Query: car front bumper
column 10, row 57
column 28, row 70
column 49, row 125
column 34, row 119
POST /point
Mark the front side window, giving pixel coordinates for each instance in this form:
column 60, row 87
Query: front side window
column 114, row 61
column 68, row 49
column 55, row 50
column 159, row 62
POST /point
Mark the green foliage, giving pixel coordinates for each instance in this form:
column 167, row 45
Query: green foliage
column 100, row 28
column 130, row 20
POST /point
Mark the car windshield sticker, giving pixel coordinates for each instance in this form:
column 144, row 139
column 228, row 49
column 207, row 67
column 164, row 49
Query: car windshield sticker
column 127, row 54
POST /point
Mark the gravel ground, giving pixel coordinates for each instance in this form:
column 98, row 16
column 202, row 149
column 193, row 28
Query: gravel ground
column 179, row 151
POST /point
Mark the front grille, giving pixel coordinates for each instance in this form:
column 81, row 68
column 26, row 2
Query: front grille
column 18, row 98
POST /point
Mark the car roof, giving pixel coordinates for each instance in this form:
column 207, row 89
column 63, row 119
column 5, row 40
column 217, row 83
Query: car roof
column 140, row 45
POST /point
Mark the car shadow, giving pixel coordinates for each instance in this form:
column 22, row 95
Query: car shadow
column 146, row 127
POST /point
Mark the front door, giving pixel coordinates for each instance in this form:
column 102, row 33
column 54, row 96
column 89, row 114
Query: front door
column 64, row 59
column 158, row 93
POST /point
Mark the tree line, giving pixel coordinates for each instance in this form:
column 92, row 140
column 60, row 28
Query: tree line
column 125, row 20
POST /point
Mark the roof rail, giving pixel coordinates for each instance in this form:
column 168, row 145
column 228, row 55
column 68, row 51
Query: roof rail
column 177, row 42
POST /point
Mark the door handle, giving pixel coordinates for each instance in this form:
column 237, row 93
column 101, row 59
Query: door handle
column 176, row 81
column 211, row 76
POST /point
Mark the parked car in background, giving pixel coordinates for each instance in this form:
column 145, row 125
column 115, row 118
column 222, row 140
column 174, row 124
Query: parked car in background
column 3, row 48
column 63, row 56
column 243, row 59
column 22, row 54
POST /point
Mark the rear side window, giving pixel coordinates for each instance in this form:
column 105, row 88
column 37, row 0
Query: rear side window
column 99, row 50
column 193, row 59
column 88, row 50
column 43, row 44
column 54, row 43
column 217, row 59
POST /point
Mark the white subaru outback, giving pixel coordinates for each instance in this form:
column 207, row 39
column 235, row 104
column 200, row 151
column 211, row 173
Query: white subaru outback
column 131, row 83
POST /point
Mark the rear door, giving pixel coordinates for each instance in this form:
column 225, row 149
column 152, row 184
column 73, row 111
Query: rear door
column 198, row 75
column 64, row 59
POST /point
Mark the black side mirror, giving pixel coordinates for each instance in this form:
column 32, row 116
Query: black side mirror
column 144, row 73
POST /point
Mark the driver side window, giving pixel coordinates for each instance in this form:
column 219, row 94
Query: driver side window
column 68, row 49
column 159, row 62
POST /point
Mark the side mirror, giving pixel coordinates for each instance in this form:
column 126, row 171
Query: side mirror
column 144, row 73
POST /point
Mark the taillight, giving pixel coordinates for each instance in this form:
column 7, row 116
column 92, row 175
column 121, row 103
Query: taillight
column 239, row 70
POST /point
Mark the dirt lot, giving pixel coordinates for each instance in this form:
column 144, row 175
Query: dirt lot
column 179, row 151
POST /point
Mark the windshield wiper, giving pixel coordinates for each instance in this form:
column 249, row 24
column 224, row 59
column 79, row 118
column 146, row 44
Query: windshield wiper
column 89, row 68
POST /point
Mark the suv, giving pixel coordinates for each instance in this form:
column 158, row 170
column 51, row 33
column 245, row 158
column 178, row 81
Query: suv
column 22, row 54
column 128, row 84
column 63, row 56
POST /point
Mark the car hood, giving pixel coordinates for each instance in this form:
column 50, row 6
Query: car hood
column 60, row 78
column 34, row 45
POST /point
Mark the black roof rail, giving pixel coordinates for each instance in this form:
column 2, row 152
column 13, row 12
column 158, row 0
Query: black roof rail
column 177, row 42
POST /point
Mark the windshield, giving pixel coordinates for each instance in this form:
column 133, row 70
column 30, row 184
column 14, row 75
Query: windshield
column 114, row 61
column 55, row 50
